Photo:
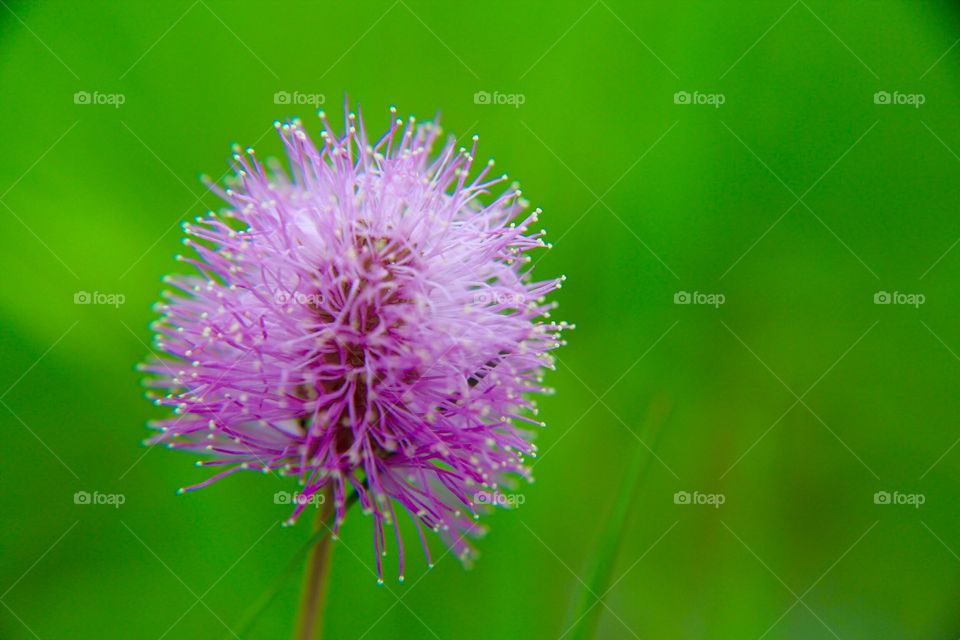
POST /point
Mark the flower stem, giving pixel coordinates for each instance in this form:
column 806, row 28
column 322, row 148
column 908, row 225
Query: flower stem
column 315, row 577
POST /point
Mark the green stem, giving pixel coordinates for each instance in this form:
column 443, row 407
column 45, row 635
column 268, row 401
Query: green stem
column 316, row 576
column 268, row 596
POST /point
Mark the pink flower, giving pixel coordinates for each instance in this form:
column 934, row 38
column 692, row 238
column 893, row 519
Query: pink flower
column 362, row 321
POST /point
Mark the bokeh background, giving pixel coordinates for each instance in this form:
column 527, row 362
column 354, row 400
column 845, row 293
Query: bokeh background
column 797, row 400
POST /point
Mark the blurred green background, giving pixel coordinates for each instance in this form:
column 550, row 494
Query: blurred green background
column 798, row 199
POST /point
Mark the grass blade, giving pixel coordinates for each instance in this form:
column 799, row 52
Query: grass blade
column 587, row 612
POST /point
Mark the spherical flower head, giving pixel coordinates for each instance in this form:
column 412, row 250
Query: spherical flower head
column 365, row 321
